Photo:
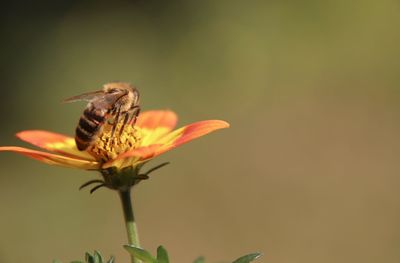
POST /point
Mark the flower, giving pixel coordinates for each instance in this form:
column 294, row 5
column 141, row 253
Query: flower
column 151, row 136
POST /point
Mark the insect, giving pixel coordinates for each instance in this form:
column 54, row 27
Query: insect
column 117, row 101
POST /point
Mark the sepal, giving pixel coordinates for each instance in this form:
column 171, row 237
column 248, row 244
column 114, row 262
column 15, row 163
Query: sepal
column 121, row 180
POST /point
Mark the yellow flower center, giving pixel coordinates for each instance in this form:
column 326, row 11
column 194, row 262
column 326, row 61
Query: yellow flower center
column 107, row 147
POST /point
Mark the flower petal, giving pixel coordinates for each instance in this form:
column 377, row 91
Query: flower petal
column 168, row 142
column 53, row 159
column 53, row 142
column 157, row 118
column 155, row 124
column 133, row 157
column 188, row 133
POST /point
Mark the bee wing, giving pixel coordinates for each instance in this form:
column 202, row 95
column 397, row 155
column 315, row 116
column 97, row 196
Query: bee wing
column 88, row 96
column 99, row 99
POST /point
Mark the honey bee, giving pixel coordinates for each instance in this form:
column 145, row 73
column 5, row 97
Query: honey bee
column 117, row 101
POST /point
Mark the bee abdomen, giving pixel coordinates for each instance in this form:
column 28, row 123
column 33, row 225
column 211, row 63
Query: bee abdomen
column 82, row 139
column 94, row 114
column 88, row 127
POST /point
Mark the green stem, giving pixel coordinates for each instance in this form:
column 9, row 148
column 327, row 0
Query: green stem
column 131, row 229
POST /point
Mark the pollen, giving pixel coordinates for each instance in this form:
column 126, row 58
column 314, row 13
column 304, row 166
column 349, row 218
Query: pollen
column 108, row 146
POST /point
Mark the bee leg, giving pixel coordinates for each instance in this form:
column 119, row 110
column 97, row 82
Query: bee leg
column 113, row 113
column 135, row 114
column 114, row 126
column 129, row 116
column 126, row 119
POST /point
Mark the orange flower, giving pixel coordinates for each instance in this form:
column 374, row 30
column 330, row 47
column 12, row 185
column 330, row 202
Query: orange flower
column 151, row 136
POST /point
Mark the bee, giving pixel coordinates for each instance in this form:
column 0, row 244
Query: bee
column 117, row 101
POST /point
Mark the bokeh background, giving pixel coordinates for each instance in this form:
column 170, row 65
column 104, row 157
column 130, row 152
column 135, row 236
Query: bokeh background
column 308, row 171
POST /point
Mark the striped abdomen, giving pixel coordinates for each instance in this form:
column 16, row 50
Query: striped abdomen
column 89, row 125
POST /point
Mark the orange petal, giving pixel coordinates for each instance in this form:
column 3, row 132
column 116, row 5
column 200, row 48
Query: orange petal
column 53, row 142
column 188, row 133
column 142, row 152
column 133, row 157
column 54, row 159
column 157, row 118
column 168, row 142
column 154, row 125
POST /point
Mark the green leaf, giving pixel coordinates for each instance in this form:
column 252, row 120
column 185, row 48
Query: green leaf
column 111, row 260
column 141, row 254
column 89, row 258
column 199, row 260
column 97, row 257
column 247, row 258
column 162, row 255
column 76, row 261
column 56, row 261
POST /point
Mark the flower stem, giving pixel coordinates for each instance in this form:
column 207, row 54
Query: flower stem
column 131, row 229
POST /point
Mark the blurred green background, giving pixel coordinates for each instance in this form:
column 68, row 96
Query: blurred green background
column 308, row 171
